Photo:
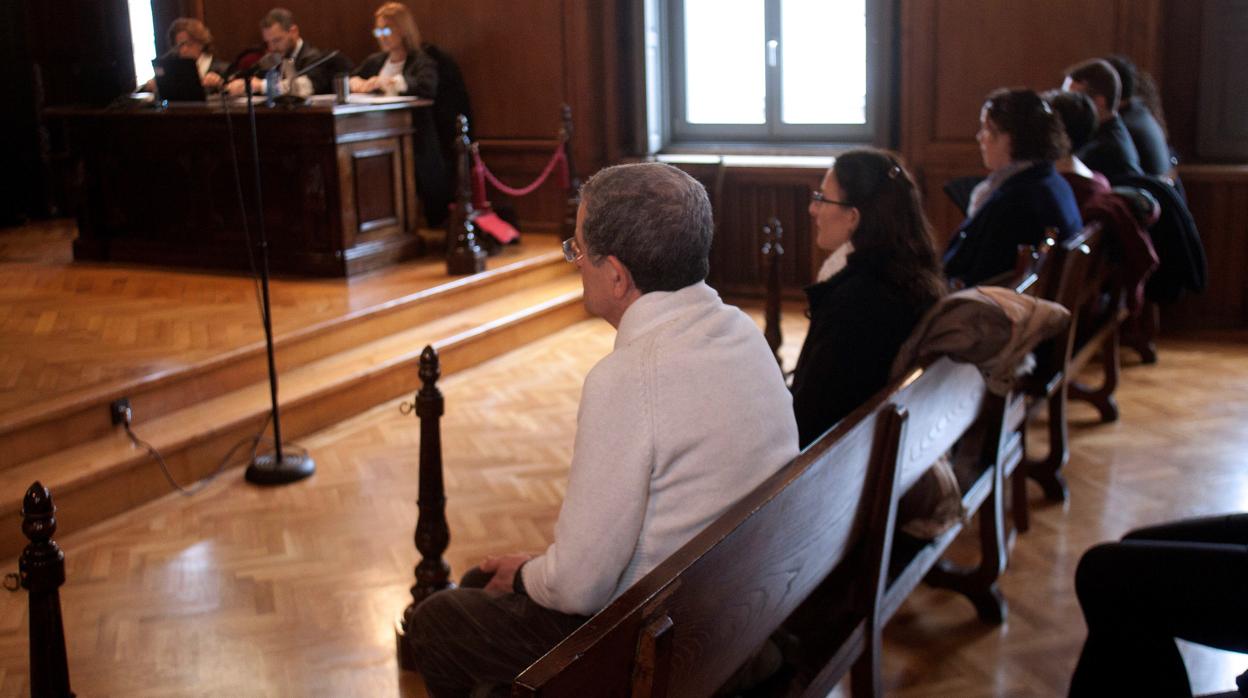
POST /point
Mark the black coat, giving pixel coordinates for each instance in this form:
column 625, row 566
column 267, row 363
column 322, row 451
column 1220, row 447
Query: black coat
column 858, row 321
column 1017, row 213
column 420, row 72
column 1110, row 150
column 1176, row 239
column 1149, row 139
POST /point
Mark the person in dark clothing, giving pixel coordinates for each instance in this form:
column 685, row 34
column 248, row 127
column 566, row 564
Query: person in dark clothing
column 1147, row 132
column 190, row 39
column 1020, row 137
column 1186, row 579
column 400, row 67
column 1110, row 151
column 403, row 66
column 1132, row 247
column 867, row 207
column 281, row 36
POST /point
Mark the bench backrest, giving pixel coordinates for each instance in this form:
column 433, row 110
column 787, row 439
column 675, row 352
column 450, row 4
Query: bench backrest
column 1064, row 274
column 943, row 401
column 684, row 628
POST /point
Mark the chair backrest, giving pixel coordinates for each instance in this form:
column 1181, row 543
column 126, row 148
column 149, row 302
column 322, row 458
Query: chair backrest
column 685, row 627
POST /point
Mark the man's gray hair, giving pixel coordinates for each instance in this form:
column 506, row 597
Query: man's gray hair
column 652, row 217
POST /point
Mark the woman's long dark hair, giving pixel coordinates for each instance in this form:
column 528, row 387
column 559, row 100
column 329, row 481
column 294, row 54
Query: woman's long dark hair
column 891, row 227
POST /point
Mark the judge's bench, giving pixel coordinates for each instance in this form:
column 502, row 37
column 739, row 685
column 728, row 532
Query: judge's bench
column 161, row 185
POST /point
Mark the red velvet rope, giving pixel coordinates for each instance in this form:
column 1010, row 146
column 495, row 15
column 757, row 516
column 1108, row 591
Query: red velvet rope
column 481, row 174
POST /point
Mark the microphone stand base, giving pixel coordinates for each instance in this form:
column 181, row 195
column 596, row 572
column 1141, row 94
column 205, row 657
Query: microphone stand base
column 265, row 470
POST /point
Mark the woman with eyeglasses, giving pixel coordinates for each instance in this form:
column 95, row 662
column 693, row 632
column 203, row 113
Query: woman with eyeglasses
column 882, row 275
column 1020, row 137
column 401, row 67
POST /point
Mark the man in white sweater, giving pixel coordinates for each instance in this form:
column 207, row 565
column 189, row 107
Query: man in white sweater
column 688, row 414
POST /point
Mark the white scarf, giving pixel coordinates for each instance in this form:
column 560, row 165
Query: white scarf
column 835, row 262
column 982, row 191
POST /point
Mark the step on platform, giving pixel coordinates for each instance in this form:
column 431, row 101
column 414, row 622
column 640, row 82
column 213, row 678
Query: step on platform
column 329, row 370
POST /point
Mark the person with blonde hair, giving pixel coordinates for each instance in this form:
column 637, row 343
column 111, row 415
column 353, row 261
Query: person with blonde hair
column 401, row 67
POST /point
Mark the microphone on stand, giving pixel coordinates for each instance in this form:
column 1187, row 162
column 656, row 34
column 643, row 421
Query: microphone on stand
column 279, row 467
column 267, row 62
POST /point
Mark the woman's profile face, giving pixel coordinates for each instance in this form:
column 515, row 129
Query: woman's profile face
column 834, row 222
column 388, row 37
column 994, row 144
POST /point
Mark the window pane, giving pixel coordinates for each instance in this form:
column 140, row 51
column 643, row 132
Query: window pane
column 725, row 82
column 823, row 54
column 143, row 38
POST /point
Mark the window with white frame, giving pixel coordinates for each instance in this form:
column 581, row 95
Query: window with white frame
column 767, row 71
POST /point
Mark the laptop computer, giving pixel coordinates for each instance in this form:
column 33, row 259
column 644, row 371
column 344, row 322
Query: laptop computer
column 177, row 80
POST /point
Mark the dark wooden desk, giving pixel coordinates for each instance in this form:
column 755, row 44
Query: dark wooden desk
column 157, row 186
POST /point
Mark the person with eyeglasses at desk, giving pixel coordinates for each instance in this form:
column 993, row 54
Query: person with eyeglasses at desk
column 400, row 67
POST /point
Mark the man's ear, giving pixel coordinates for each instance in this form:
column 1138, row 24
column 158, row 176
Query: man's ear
column 621, row 278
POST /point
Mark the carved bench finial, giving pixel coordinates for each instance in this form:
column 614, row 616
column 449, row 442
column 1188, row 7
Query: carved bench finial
column 42, row 571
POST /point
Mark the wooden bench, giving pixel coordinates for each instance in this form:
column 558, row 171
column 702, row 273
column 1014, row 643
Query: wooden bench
column 686, row 627
column 1077, row 274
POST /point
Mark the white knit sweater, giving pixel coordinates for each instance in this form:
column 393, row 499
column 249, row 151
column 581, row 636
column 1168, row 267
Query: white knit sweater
column 687, row 415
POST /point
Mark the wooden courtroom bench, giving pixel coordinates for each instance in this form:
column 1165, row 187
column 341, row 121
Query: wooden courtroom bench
column 686, row 627
column 1079, row 275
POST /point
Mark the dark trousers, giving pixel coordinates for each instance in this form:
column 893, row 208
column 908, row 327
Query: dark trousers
column 1187, row 579
column 471, row 642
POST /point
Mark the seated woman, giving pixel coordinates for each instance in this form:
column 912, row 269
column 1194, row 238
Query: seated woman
column 1185, row 579
column 1078, row 116
column 1019, row 139
column 400, row 67
column 868, row 212
column 193, row 40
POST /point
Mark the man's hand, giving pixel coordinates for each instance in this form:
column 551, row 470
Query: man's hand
column 211, row 80
column 235, row 88
column 504, row 568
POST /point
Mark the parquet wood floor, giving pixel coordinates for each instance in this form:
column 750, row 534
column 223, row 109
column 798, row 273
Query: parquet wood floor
column 67, row 329
column 292, row 591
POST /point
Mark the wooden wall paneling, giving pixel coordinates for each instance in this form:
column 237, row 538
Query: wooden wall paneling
column 1138, row 28
column 1218, row 197
column 513, row 58
column 1222, row 126
column 1180, row 92
column 750, row 198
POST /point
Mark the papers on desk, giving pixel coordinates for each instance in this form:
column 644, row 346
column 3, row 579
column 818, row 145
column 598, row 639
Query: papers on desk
column 377, row 99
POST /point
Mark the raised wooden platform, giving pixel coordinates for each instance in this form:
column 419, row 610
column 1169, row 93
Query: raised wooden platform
column 187, row 350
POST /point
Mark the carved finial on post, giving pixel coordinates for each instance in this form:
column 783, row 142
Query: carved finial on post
column 573, row 199
column 42, row 570
column 432, row 533
column 463, row 255
column 772, row 251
